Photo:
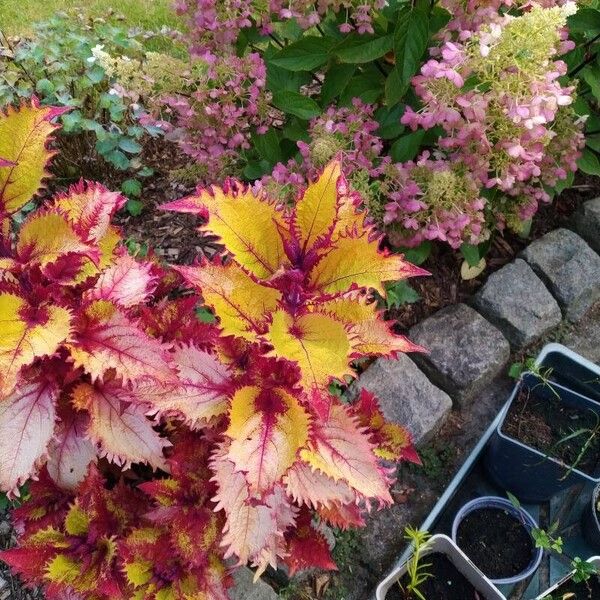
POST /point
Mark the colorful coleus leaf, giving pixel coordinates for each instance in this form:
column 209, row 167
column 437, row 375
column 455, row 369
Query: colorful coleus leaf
column 29, row 331
column 392, row 441
column 26, row 428
column 25, row 134
column 79, row 552
column 118, row 424
column 307, row 547
column 286, row 267
column 340, row 449
column 253, row 527
column 268, row 427
column 201, row 393
column 108, row 340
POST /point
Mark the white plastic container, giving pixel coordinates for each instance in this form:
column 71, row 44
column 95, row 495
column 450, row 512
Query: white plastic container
column 444, row 545
column 595, row 560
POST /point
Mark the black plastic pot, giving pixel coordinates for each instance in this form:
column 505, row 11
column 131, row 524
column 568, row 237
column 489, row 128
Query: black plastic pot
column 571, row 371
column 524, row 471
column 590, row 526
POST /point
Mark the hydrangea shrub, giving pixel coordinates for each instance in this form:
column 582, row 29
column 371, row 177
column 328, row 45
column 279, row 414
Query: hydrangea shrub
column 157, row 446
column 455, row 120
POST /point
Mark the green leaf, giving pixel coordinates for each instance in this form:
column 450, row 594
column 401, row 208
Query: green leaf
column 513, row 500
column 410, row 41
column 95, row 74
column 256, row 169
column 395, row 86
column 400, row 292
column 418, row 255
column 389, row 121
column 368, row 87
column 267, row 146
column 296, row 130
column 306, row 54
column 439, row 18
column 515, row 370
column 359, row 49
column 134, row 207
column 118, row 159
column 407, row 147
column 589, row 163
column 129, row 145
column 294, row 103
column 471, row 254
column 336, row 80
column 44, row 87
column 131, row 188
column 591, row 75
column 585, row 20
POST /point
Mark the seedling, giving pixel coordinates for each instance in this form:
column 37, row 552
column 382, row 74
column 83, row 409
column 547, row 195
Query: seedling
column 416, row 569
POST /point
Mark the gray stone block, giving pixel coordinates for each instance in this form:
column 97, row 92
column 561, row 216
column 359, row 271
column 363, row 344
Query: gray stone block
column 465, row 352
column 517, row 302
column 406, row 396
column 569, row 267
column 245, row 589
column 586, row 222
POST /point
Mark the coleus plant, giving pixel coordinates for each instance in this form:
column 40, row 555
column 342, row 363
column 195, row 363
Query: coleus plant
column 162, row 445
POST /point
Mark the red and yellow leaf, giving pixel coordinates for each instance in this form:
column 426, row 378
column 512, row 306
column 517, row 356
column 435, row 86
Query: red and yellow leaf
column 242, row 305
column 28, row 333
column 316, row 211
column 355, row 261
column 392, row 441
column 119, row 425
column 90, row 207
column 254, row 528
column 127, row 282
column 111, row 341
column 306, row 547
column 375, row 338
column 26, row 427
column 248, row 226
column 47, row 236
column 24, row 136
column 318, row 343
column 200, row 395
column 315, row 489
column 267, row 428
column 340, row 449
column 70, row 452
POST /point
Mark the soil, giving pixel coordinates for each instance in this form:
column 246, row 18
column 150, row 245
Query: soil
column 496, row 542
column 445, row 583
column 586, row 590
column 543, row 422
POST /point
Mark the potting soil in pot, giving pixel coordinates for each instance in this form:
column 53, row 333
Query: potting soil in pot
column 446, row 582
column 545, row 424
column 586, row 590
column 496, row 542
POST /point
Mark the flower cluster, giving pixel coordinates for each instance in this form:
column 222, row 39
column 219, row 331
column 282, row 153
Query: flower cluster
column 223, row 102
column 493, row 87
column 344, row 132
column 214, row 24
column 148, row 76
column 433, row 199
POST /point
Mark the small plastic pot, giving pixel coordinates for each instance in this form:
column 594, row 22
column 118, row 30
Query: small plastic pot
column 590, row 526
column 595, row 560
column 444, row 545
column 486, row 502
column 529, row 474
